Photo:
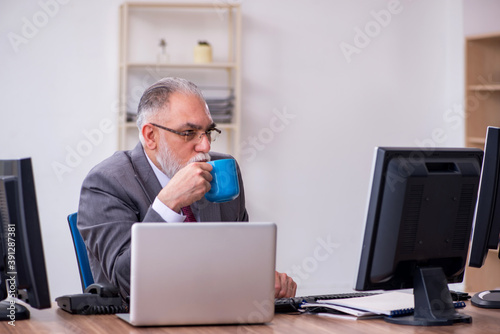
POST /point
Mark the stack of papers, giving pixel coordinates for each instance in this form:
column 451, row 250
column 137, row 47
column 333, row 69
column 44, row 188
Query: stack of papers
column 391, row 304
column 220, row 102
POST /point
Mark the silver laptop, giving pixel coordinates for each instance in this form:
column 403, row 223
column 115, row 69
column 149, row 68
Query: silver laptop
column 201, row 273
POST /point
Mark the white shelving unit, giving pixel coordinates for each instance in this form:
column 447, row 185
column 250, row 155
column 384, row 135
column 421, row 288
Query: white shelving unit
column 182, row 26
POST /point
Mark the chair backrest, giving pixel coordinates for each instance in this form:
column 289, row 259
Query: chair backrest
column 81, row 253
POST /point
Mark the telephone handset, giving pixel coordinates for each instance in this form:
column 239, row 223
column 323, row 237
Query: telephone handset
column 103, row 290
column 98, row 298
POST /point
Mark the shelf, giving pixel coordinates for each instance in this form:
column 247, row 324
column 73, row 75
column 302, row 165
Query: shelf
column 493, row 37
column 227, row 126
column 209, row 5
column 476, row 140
column 182, row 65
column 130, row 125
column 494, row 87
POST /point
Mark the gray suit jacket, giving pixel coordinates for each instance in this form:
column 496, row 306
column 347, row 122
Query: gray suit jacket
column 119, row 192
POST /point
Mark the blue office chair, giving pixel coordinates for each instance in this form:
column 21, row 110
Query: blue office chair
column 81, row 253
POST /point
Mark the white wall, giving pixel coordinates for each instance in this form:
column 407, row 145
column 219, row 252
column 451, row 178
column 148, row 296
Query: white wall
column 313, row 177
column 311, row 117
column 481, row 17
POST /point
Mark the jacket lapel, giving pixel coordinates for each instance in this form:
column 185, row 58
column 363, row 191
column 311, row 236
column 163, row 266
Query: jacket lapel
column 144, row 173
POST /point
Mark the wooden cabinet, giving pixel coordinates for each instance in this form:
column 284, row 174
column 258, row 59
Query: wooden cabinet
column 482, row 87
column 482, row 109
column 160, row 39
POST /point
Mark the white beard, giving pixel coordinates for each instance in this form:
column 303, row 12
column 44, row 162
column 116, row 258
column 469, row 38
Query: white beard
column 169, row 163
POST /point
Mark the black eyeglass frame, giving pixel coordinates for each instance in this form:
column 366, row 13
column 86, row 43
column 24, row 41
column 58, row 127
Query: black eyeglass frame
column 188, row 133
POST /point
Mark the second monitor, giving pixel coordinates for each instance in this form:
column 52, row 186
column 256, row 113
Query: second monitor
column 418, row 227
column 487, row 218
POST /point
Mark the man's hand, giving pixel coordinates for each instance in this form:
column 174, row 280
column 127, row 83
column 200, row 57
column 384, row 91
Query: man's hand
column 284, row 286
column 187, row 186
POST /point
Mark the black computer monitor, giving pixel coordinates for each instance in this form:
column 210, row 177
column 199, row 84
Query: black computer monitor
column 418, row 227
column 22, row 263
column 487, row 218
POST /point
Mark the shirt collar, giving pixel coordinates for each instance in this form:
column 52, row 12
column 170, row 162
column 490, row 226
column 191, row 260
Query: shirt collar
column 162, row 178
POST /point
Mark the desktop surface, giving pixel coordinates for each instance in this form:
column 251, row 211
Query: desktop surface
column 55, row 320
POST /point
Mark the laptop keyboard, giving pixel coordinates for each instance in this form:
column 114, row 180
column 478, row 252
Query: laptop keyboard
column 288, row 305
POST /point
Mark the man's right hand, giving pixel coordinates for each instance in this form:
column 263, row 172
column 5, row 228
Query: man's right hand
column 187, row 186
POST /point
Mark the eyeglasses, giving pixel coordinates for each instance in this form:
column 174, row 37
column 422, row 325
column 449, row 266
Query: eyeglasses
column 189, row 135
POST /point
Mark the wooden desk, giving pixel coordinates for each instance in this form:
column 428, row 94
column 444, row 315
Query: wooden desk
column 55, row 320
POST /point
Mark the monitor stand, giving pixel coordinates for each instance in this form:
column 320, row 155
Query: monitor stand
column 487, row 299
column 433, row 303
column 12, row 311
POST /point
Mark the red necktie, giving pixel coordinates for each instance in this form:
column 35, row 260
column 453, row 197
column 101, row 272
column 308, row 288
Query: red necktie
column 189, row 214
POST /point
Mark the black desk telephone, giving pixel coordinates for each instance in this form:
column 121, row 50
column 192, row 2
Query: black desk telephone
column 97, row 299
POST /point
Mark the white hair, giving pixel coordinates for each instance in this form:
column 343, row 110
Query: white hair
column 156, row 98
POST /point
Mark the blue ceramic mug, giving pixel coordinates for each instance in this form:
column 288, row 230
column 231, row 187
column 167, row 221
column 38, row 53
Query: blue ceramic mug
column 225, row 186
